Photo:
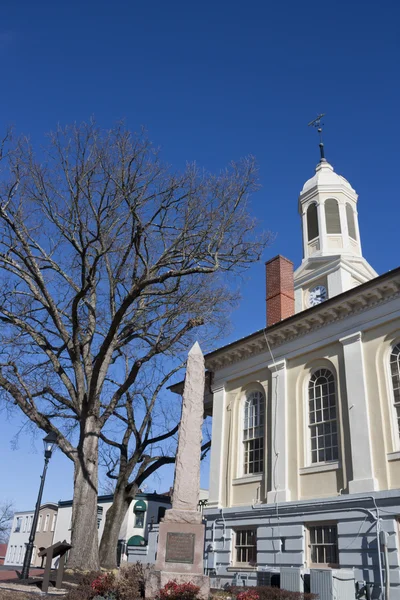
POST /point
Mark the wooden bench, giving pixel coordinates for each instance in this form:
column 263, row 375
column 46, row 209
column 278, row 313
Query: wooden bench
column 59, row 549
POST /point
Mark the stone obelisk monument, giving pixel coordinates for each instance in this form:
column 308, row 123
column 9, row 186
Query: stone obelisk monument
column 181, row 537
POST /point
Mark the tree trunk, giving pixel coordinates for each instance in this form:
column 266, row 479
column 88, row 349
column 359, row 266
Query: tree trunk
column 84, row 554
column 112, row 526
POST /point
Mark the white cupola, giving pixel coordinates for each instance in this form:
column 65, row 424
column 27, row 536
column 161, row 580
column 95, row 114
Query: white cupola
column 332, row 257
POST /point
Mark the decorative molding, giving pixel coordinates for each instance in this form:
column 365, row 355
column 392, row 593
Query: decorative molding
column 247, row 479
column 393, row 456
column 351, row 339
column 320, row 468
column 279, row 365
column 220, row 387
column 242, row 569
column 361, row 299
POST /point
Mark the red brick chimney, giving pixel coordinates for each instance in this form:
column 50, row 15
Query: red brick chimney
column 280, row 289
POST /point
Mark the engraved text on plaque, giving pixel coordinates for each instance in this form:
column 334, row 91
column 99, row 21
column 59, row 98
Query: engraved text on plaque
column 180, row 547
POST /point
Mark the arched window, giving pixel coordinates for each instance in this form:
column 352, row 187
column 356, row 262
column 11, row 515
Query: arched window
column 312, row 222
column 395, row 371
column 332, row 217
column 253, row 433
column 351, row 225
column 323, row 417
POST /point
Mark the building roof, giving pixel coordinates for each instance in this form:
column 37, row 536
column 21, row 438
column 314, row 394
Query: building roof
column 3, row 550
column 109, row 498
column 358, row 298
column 325, row 176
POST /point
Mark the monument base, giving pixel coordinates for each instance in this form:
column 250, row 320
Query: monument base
column 156, row 580
column 180, row 548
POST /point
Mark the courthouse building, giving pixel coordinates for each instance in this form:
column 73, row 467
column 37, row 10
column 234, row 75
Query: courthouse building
column 305, row 457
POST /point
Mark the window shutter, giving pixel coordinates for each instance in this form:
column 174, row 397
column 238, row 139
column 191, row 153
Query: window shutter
column 332, row 216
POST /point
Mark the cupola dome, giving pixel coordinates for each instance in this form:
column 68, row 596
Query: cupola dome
column 325, row 176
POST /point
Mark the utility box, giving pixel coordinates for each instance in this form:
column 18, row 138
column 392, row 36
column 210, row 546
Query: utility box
column 291, row 579
column 333, row 584
column 268, row 577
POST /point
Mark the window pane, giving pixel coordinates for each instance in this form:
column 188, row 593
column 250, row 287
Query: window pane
column 322, row 416
column 253, row 433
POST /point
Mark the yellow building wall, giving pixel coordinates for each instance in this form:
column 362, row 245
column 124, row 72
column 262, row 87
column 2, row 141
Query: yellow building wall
column 377, row 343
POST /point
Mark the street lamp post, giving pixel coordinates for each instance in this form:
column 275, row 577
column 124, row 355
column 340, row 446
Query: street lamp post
column 50, row 442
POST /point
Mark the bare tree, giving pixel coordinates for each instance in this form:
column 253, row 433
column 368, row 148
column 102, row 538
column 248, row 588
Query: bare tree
column 6, row 517
column 109, row 261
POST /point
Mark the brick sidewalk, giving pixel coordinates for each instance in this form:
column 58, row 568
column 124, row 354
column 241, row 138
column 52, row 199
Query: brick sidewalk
column 11, row 574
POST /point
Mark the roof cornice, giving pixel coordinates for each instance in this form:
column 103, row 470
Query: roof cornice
column 376, row 291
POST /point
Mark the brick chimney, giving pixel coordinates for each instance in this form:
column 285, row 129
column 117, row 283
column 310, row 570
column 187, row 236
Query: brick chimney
column 280, row 289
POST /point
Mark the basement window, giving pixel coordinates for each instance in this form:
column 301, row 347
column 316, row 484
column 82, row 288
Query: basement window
column 323, row 545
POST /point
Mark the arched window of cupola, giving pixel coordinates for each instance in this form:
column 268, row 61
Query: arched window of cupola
column 395, row 372
column 253, row 433
column 312, row 222
column 332, row 217
column 323, row 416
column 351, row 225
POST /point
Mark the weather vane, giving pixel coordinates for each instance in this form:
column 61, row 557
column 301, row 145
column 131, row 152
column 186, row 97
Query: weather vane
column 318, row 126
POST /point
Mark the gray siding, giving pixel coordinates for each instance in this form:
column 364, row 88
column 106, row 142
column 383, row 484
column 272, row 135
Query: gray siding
column 357, row 520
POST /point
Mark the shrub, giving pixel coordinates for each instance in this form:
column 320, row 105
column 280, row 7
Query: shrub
column 179, row 591
column 130, row 582
column 84, row 589
column 271, row 593
column 83, row 581
column 248, row 595
column 104, row 584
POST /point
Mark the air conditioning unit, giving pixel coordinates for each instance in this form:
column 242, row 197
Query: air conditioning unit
column 333, row 584
column 292, row 579
column 268, row 576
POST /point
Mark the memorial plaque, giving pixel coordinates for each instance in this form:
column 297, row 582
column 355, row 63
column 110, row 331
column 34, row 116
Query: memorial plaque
column 180, row 547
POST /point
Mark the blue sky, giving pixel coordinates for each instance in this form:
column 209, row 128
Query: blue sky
column 214, row 81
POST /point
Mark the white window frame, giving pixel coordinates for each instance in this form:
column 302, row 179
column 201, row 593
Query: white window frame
column 39, row 523
column 393, row 411
column 237, row 533
column 46, row 522
column 53, row 522
column 243, row 441
column 308, row 425
column 20, row 520
column 321, row 565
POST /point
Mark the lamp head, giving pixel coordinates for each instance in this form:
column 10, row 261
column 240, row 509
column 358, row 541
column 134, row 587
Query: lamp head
column 49, row 442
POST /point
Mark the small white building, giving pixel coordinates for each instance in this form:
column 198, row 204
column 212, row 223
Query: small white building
column 145, row 510
column 20, row 531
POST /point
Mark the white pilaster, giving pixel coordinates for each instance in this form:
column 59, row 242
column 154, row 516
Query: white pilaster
column 360, row 438
column 305, row 233
column 343, row 226
column 279, row 439
column 322, row 226
column 217, row 448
